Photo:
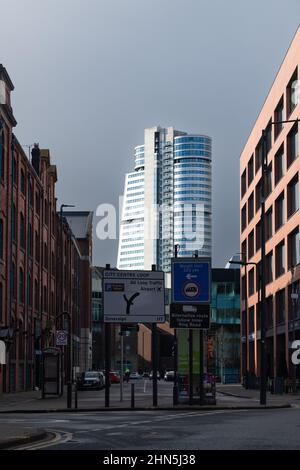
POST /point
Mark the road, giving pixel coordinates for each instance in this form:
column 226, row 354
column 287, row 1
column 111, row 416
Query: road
column 168, row 430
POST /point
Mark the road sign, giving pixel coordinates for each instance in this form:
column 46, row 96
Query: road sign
column 133, row 296
column 191, row 280
column 190, row 316
column 61, row 338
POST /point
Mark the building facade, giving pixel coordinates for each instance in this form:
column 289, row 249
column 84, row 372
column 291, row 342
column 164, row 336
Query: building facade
column 282, row 316
column 223, row 338
column 167, row 200
column 41, row 275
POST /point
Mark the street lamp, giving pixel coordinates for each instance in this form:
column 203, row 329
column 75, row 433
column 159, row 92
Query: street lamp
column 294, row 298
column 62, row 291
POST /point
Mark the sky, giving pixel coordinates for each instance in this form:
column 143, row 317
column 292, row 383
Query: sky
column 90, row 75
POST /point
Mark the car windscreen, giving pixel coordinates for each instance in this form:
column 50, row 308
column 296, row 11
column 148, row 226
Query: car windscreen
column 91, row 375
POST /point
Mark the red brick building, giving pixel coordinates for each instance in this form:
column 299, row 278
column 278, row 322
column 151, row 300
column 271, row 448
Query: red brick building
column 41, row 262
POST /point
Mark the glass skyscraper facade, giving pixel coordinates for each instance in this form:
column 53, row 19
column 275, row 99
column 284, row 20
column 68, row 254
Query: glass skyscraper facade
column 167, row 200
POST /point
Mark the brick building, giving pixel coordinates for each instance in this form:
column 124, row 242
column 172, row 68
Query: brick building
column 37, row 251
column 282, row 273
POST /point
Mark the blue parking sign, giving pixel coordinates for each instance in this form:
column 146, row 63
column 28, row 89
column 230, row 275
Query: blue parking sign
column 191, row 280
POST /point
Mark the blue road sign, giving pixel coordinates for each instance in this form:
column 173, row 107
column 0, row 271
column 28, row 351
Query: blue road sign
column 191, row 280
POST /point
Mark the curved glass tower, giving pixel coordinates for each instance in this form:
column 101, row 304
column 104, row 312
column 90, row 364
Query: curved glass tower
column 167, row 200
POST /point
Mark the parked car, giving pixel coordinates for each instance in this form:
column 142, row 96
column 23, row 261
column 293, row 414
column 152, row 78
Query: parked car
column 146, row 375
column 151, row 375
column 114, row 377
column 135, row 375
column 169, row 376
column 91, row 380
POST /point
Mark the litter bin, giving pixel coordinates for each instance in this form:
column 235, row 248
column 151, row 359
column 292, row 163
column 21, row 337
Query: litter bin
column 279, row 385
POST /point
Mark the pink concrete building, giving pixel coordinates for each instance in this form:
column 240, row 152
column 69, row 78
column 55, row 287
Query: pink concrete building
column 282, row 224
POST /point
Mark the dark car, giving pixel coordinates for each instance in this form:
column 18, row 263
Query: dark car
column 169, row 376
column 91, row 380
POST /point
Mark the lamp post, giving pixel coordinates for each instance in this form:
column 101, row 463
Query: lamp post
column 294, row 298
column 62, row 293
column 245, row 264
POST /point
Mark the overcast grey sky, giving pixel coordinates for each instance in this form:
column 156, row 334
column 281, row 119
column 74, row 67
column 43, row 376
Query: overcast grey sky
column 89, row 75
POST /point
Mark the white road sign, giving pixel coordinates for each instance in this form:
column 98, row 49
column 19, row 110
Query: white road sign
column 133, row 296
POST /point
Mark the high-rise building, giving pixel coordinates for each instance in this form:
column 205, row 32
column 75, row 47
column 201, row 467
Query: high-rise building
column 167, row 200
column 282, row 273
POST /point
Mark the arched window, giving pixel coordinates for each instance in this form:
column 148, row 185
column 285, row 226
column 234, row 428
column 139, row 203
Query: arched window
column 1, row 151
column 22, row 230
column 21, row 286
column 1, row 238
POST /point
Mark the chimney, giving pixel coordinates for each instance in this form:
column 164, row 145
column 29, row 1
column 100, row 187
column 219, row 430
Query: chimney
column 35, row 160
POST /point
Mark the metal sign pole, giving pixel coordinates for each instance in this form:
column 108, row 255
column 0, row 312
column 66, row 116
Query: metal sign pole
column 122, row 366
column 201, row 362
column 154, row 356
column 175, row 388
column 107, row 358
column 190, row 367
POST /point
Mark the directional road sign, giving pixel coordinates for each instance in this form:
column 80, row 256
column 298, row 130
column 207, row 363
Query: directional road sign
column 191, row 280
column 133, row 296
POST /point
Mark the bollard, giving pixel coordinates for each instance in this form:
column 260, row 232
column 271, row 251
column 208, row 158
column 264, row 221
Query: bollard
column 132, row 395
column 69, row 395
column 175, row 395
column 76, row 397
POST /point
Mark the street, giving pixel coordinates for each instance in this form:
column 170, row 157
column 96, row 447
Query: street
column 168, row 430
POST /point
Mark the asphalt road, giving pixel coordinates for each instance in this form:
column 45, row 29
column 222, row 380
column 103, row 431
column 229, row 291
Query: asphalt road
column 168, row 430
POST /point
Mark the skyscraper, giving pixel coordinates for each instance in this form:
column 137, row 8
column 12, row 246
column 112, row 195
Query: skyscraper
column 167, row 200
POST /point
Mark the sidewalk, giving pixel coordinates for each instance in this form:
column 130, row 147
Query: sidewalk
column 238, row 391
column 13, row 435
column 228, row 397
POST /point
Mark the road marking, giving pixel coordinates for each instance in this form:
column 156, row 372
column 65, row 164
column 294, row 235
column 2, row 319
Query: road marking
column 59, row 438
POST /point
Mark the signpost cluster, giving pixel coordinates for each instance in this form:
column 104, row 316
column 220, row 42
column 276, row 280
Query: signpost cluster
column 129, row 298
column 190, row 309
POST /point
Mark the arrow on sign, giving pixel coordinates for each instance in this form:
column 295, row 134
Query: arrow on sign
column 191, row 276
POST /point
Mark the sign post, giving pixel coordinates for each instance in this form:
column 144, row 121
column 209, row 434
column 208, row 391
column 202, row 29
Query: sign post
column 190, row 308
column 132, row 297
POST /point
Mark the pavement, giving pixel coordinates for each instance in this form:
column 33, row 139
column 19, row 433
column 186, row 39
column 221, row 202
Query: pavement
column 229, row 397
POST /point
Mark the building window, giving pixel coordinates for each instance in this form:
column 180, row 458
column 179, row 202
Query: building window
column 279, row 261
column 278, row 117
column 45, row 255
column 279, row 211
column 1, row 239
column 45, row 299
column 251, row 244
column 31, row 195
column 22, row 231
column 14, row 223
column 29, row 291
column 13, row 282
column 37, row 203
column 293, row 249
column 280, row 306
column 251, row 282
column 258, row 266
column 292, row 145
column 269, row 268
column 291, row 93
column 21, row 286
column 2, row 159
column 269, row 180
column 243, row 183
column 258, row 236
column 269, row 136
column 268, row 219
column 250, row 170
column 46, row 213
column 244, row 248
column 279, row 164
column 294, row 303
column 269, row 312
column 36, row 295
column 258, row 196
column 1, row 302
column 37, row 247
column 251, row 320
column 52, row 263
column 22, row 183
column 14, row 171
column 250, row 207
column 30, row 239
column 258, row 156
column 293, row 196
column 244, row 217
